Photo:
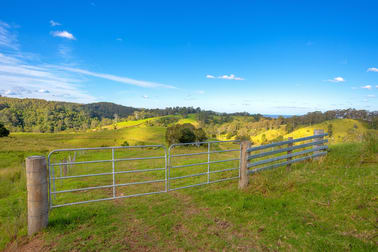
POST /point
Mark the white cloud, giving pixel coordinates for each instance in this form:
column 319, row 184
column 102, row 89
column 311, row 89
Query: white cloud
column 44, row 91
column 376, row 86
column 367, row 87
column 116, row 78
column 145, row 97
column 63, row 34
column 53, row 23
column 7, row 38
column 200, row 91
column 372, row 69
column 230, row 77
column 337, row 79
column 371, row 96
column 226, row 77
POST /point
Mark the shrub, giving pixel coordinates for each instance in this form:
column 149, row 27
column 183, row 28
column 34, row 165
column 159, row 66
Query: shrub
column 184, row 133
column 3, row 131
column 125, row 143
column 370, row 141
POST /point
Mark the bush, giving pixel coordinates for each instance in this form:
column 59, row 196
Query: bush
column 184, row 133
column 3, row 131
column 370, row 141
column 125, row 144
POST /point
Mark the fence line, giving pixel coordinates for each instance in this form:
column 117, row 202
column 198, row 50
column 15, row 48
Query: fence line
column 250, row 160
column 248, row 163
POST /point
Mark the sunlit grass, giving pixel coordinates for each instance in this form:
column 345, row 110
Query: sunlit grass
column 323, row 205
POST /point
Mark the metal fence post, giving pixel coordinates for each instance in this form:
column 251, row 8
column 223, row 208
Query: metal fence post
column 113, row 167
column 37, row 187
column 288, row 166
column 208, row 165
column 243, row 182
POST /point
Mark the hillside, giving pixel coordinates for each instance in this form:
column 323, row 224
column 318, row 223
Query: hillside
column 36, row 115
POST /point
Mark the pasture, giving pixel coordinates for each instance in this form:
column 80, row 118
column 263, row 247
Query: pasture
column 329, row 204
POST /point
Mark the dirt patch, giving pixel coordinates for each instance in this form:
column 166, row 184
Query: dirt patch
column 35, row 243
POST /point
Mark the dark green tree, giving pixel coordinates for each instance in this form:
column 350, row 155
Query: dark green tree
column 3, row 131
column 184, row 133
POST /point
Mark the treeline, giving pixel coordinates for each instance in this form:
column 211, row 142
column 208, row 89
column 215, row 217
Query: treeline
column 36, row 115
column 371, row 118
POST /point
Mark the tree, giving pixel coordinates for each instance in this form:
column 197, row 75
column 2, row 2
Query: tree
column 3, row 131
column 184, row 133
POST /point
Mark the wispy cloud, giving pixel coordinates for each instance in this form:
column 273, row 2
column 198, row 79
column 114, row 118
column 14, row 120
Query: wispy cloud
column 22, row 75
column 63, row 34
column 225, row 77
column 40, row 82
column 372, row 69
column 337, row 79
column 145, row 97
column 371, row 96
column 367, row 87
column 126, row 80
column 53, row 23
column 7, row 38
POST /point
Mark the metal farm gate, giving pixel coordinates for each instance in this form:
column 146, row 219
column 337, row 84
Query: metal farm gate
column 84, row 175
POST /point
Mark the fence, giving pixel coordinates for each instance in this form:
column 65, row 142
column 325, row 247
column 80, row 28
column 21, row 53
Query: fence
column 109, row 165
column 251, row 159
column 62, row 170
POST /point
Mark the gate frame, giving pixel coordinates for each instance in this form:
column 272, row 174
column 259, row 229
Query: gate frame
column 52, row 178
column 204, row 163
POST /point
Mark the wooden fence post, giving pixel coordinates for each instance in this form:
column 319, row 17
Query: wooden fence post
column 243, row 180
column 37, row 187
column 288, row 166
column 317, row 132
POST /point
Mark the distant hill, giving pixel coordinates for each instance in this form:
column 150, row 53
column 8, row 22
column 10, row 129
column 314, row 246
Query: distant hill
column 108, row 110
column 39, row 115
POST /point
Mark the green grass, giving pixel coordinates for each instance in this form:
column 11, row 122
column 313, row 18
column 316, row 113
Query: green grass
column 326, row 205
column 344, row 130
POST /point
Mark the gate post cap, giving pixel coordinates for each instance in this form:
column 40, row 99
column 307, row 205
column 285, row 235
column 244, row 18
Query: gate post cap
column 35, row 157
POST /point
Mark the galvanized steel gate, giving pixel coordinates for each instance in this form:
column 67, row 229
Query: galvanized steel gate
column 61, row 163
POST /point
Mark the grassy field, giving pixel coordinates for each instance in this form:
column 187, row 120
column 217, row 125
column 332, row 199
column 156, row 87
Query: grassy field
column 324, row 205
column 345, row 130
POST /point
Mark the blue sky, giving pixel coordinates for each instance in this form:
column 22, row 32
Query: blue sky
column 271, row 57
